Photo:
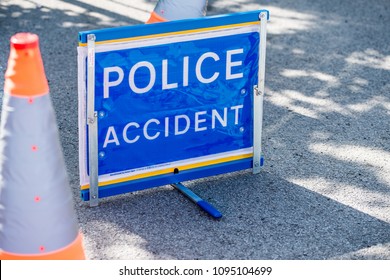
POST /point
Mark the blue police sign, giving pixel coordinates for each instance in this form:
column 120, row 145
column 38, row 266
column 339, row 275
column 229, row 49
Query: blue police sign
column 173, row 101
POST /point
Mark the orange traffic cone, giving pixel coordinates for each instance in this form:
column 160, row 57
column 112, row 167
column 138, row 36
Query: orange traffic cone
column 167, row 10
column 37, row 218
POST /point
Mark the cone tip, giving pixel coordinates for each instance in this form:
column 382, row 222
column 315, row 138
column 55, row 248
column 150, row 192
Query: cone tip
column 155, row 18
column 25, row 75
column 24, row 40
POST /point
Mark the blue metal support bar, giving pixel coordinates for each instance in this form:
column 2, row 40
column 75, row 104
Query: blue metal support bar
column 204, row 205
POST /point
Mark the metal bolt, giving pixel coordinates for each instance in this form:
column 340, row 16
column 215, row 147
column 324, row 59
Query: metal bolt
column 91, row 37
column 243, row 91
column 242, row 129
column 257, row 164
column 102, row 154
column 257, row 91
column 102, row 114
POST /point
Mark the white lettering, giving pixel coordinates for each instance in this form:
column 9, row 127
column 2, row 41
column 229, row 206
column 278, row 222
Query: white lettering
column 236, row 109
column 165, row 84
column 198, row 121
column 152, row 79
column 185, row 71
column 166, row 126
column 199, row 66
column 147, row 136
column 106, row 79
column 111, row 131
column 124, row 134
column 187, row 126
column 146, row 78
column 215, row 114
column 230, row 64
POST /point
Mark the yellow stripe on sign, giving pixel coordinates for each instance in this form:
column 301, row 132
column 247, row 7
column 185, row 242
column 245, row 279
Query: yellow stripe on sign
column 185, row 32
column 170, row 170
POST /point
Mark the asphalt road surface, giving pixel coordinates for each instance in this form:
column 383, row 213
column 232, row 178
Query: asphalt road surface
column 324, row 192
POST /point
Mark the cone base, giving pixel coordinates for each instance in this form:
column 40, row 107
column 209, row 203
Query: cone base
column 73, row 251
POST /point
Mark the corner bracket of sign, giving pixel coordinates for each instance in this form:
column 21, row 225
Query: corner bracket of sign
column 204, row 205
column 92, row 125
column 264, row 15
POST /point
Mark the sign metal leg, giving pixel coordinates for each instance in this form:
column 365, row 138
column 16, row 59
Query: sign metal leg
column 258, row 95
column 204, row 205
column 92, row 126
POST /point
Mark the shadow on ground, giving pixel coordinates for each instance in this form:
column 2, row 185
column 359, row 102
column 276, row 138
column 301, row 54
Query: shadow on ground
column 265, row 217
